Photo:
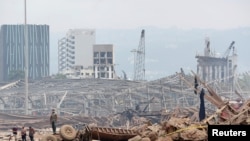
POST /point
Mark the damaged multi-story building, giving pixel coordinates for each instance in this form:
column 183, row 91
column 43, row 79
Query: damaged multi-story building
column 104, row 61
column 211, row 66
column 80, row 57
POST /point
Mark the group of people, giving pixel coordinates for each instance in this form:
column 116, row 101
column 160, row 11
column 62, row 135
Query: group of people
column 31, row 131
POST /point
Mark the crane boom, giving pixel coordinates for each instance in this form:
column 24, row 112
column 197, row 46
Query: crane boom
column 228, row 50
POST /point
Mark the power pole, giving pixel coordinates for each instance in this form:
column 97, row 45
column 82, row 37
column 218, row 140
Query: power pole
column 26, row 59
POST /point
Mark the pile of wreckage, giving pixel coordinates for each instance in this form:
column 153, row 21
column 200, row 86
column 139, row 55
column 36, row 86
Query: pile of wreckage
column 178, row 124
column 177, row 127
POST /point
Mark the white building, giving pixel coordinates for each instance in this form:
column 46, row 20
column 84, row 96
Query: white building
column 78, row 72
column 76, row 49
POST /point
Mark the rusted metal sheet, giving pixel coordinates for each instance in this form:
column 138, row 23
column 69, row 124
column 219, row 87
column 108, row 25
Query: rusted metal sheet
column 107, row 134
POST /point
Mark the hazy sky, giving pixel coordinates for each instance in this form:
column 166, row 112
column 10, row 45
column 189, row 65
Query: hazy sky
column 64, row 14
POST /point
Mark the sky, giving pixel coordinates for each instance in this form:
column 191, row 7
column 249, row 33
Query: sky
column 62, row 15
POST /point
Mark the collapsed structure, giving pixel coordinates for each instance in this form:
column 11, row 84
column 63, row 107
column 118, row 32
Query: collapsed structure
column 212, row 67
column 169, row 102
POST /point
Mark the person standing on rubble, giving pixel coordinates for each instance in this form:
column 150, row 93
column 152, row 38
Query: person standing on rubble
column 201, row 91
column 53, row 120
column 23, row 134
column 31, row 133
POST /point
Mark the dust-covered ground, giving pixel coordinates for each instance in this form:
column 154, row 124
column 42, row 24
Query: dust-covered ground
column 7, row 135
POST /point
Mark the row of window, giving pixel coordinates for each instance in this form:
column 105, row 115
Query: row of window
column 96, row 61
column 69, row 41
column 103, row 54
column 99, row 75
column 103, row 61
column 70, row 46
column 104, row 75
column 104, row 68
column 70, row 51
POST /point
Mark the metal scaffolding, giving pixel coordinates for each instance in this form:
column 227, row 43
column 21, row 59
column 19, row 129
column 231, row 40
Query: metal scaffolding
column 139, row 61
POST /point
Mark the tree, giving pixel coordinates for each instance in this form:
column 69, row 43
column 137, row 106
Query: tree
column 60, row 76
column 16, row 75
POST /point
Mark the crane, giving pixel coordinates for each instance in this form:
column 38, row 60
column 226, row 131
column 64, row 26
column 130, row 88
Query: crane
column 228, row 50
column 139, row 59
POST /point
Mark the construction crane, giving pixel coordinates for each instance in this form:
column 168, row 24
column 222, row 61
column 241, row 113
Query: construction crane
column 226, row 54
column 139, row 59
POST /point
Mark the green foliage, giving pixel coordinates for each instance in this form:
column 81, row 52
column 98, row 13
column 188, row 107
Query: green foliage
column 60, row 76
column 16, row 75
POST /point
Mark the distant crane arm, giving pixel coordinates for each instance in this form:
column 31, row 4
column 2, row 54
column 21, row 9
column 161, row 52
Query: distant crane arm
column 228, row 50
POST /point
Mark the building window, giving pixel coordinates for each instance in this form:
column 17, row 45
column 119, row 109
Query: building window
column 103, row 54
column 96, row 61
column 110, row 61
column 96, row 54
column 102, row 75
column 109, row 54
column 102, row 68
column 103, row 61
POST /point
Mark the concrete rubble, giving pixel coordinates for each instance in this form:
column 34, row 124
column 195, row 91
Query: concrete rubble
column 139, row 124
column 181, row 127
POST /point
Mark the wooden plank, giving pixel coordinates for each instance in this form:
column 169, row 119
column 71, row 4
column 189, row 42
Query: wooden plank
column 214, row 115
column 206, row 96
column 210, row 90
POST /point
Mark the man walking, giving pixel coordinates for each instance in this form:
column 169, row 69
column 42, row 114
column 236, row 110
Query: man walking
column 53, row 120
column 23, row 134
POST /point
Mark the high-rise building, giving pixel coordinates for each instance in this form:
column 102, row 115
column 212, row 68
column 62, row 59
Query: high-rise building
column 75, row 50
column 12, row 51
column 103, row 61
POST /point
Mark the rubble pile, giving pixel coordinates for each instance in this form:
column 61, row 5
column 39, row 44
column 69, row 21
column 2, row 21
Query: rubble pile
column 180, row 123
column 182, row 127
column 174, row 129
